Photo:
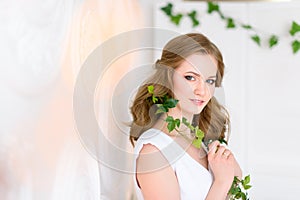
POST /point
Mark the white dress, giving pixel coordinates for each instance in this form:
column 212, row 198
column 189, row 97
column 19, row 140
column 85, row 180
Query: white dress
column 194, row 179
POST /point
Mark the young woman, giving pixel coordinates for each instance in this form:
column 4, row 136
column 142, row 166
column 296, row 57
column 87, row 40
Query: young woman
column 167, row 166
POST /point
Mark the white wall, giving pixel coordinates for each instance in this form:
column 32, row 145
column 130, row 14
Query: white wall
column 261, row 89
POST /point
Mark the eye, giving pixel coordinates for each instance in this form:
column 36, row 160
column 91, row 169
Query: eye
column 190, row 78
column 211, row 81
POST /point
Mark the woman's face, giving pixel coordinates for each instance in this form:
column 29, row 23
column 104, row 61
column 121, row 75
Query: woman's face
column 194, row 82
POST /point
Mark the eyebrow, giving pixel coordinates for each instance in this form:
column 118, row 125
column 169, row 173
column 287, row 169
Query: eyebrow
column 213, row 76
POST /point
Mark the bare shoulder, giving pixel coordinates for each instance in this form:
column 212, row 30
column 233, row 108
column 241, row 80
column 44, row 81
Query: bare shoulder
column 155, row 176
column 149, row 148
column 151, row 159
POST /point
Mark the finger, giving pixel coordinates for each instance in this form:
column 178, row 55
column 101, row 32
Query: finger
column 213, row 147
column 226, row 153
column 221, row 150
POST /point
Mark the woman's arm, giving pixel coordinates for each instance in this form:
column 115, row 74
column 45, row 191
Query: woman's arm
column 155, row 176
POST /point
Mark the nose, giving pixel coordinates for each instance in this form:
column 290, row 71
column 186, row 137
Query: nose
column 201, row 88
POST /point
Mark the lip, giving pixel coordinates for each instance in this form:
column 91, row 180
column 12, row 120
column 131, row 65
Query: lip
column 197, row 102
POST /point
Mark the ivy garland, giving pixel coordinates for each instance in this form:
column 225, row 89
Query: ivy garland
column 231, row 23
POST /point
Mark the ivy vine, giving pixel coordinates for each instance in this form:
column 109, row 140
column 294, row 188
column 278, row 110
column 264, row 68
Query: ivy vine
column 232, row 23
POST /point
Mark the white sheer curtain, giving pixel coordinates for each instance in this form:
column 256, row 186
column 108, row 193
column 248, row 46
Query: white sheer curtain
column 43, row 45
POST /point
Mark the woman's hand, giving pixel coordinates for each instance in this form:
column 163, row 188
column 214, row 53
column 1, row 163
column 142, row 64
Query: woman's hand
column 223, row 165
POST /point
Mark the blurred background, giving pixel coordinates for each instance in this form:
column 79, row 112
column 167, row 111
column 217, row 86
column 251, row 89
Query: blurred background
column 44, row 45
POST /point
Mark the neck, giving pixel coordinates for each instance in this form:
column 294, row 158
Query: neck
column 176, row 114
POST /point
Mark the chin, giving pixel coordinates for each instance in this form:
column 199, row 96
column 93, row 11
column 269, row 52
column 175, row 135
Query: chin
column 196, row 111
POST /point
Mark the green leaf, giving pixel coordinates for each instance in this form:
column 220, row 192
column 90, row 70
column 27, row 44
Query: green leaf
column 234, row 190
column 161, row 109
column 177, row 122
column 296, row 46
column 246, row 187
column 199, row 133
column 236, row 180
column 171, row 126
column 212, row 7
column 170, row 103
column 230, row 23
column 167, row 9
column 184, row 120
column 247, row 26
column 197, row 143
column 238, row 195
column 169, row 119
column 151, row 89
column 192, row 16
column 295, row 28
column 247, row 179
column 154, row 99
column 176, row 18
column 171, row 123
column 273, row 41
column 244, row 197
column 256, row 39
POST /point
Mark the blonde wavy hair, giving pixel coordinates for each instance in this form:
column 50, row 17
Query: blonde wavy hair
column 214, row 118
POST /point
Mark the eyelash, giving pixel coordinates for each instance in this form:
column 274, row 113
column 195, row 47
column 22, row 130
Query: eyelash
column 189, row 78
column 209, row 81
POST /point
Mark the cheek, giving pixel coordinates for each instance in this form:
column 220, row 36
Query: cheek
column 181, row 87
column 211, row 91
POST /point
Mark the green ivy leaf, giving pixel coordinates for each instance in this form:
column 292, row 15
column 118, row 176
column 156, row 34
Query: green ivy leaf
column 296, row 46
column 234, row 190
column 247, row 26
column 154, row 99
column 151, row 89
column 170, row 103
column 199, row 133
column 273, row 41
column 246, row 187
column 236, row 180
column 238, row 195
column 256, row 39
column 230, row 23
column 197, row 143
column 212, row 7
column 167, row 9
column 176, row 18
column 177, row 122
column 171, row 123
column 246, row 180
column 192, row 15
column 244, row 197
column 295, row 28
column 161, row 109
column 171, row 126
column 185, row 122
column 169, row 119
